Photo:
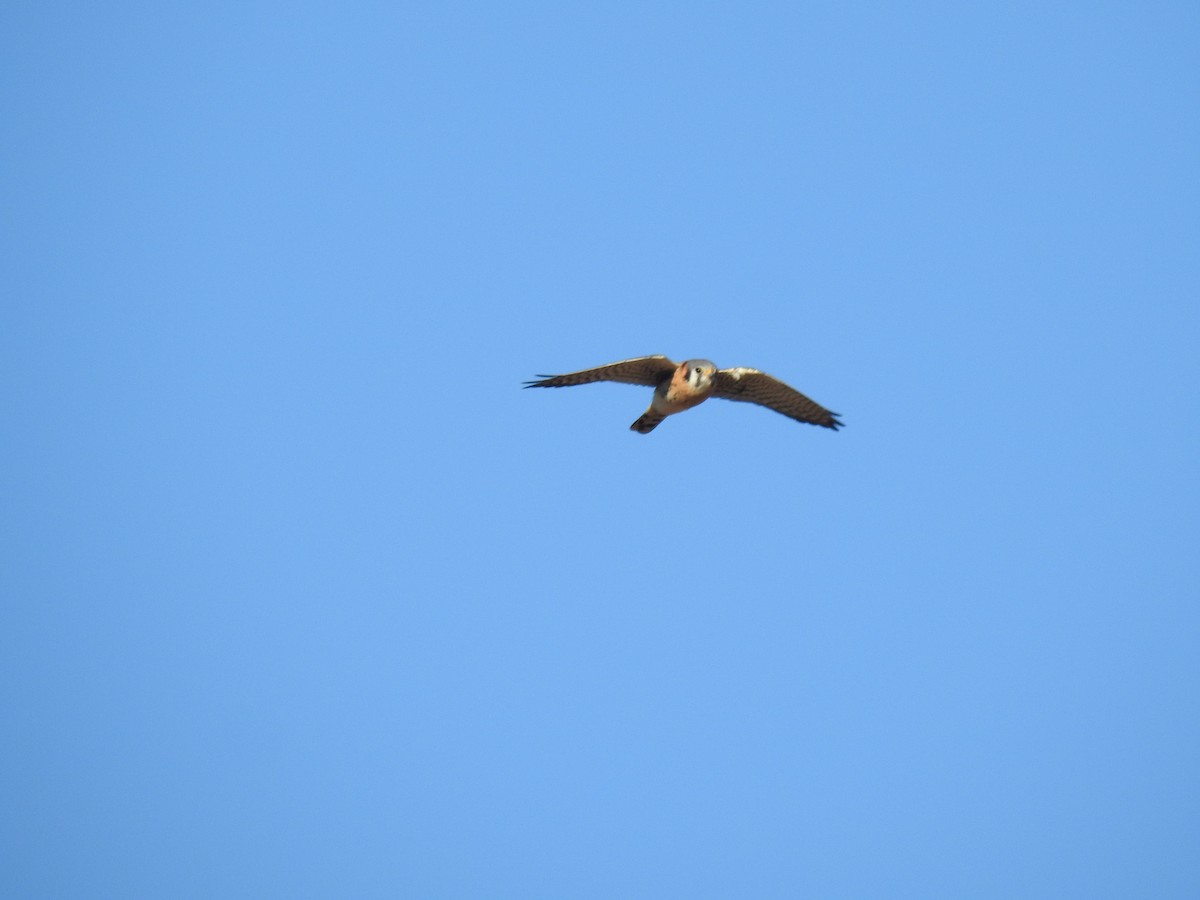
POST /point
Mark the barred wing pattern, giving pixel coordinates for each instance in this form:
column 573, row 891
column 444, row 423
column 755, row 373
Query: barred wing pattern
column 644, row 370
column 753, row 386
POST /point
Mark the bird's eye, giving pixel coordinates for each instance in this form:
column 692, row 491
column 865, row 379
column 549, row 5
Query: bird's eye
column 697, row 370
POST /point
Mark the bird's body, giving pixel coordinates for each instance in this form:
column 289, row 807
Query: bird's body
column 678, row 387
column 690, row 384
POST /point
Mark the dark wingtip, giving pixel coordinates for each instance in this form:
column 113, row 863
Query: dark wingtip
column 834, row 422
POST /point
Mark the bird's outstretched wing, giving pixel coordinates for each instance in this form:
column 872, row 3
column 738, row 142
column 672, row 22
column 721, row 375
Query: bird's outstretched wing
column 646, row 370
column 753, row 386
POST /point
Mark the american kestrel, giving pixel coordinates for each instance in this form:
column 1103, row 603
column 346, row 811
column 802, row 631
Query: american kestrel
column 680, row 386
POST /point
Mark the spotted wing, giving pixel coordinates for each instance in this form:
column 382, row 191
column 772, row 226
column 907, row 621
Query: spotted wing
column 646, row 370
column 753, row 386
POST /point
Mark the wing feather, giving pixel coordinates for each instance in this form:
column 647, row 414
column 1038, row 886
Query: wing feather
column 644, row 370
column 753, row 386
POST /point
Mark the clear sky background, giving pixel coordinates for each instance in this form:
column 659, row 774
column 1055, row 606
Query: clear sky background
column 304, row 597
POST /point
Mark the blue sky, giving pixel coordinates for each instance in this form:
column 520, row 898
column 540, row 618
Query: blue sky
column 303, row 597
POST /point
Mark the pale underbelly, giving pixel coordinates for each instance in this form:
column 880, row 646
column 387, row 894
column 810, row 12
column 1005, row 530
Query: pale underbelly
column 676, row 401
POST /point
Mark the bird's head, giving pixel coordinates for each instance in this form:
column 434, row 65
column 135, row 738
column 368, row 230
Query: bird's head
column 699, row 373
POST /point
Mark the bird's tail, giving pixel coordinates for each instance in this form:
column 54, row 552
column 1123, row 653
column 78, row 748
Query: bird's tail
column 648, row 421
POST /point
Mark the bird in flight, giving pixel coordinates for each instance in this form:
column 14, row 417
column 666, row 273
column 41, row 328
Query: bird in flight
column 680, row 386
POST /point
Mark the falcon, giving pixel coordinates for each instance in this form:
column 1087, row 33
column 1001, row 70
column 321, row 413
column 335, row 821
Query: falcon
column 680, row 386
